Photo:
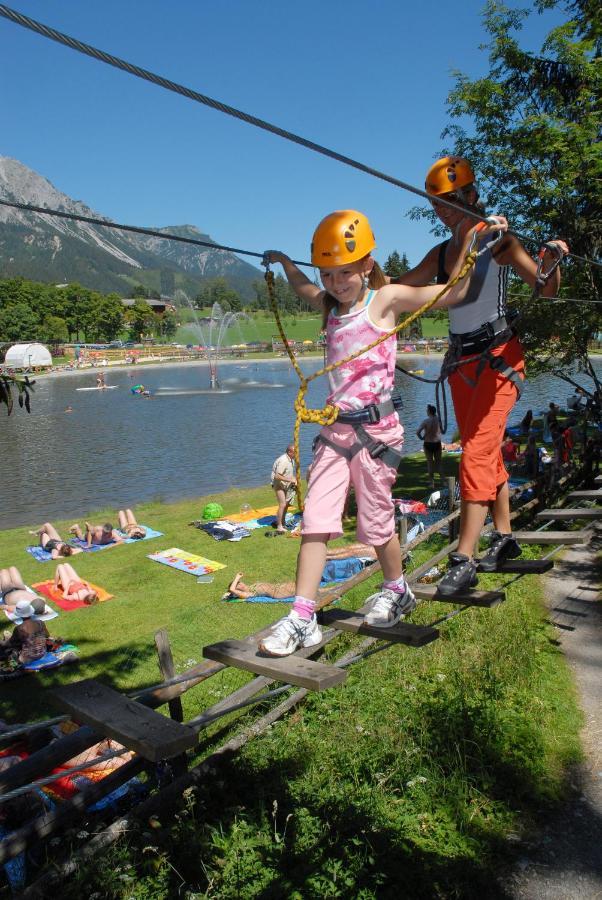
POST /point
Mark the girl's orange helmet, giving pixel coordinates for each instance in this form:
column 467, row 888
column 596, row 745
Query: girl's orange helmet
column 342, row 237
column 448, row 174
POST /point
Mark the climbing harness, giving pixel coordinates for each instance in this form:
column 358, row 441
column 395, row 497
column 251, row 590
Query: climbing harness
column 331, row 413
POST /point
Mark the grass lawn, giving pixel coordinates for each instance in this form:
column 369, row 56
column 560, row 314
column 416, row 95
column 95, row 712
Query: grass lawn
column 415, row 778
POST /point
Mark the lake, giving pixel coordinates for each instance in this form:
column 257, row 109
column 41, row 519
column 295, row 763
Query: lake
column 117, row 449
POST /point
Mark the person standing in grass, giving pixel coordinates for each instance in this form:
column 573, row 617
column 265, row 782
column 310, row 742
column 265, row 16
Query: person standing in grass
column 430, row 433
column 363, row 445
column 284, row 483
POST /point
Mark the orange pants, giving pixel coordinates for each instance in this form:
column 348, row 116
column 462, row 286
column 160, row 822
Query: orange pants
column 482, row 413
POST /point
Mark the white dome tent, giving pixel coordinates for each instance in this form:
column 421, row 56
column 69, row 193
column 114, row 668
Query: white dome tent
column 27, row 356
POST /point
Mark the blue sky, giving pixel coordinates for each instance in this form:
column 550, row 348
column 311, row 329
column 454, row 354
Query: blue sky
column 367, row 80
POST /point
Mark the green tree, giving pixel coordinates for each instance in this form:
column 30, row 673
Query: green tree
column 169, row 324
column 535, row 147
column 396, row 265
column 18, row 322
column 140, row 319
column 55, row 329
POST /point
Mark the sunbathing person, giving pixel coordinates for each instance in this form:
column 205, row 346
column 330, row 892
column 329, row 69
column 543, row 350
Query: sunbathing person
column 93, row 757
column 238, row 590
column 355, row 549
column 97, row 534
column 129, row 525
column 52, row 542
column 12, row 588
column 72, row 586
column 28, row 640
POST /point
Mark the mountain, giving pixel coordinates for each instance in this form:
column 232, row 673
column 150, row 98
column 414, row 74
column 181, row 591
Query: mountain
column 46, row 248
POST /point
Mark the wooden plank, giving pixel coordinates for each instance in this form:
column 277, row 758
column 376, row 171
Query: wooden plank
column 598, row 479
column 314, row 676
column 552, row 537
column 135, row 726
column 402, row 633
column 525, row 566
column 593, row 513
column 168, row 670
column 585, row 495
column 466, row 598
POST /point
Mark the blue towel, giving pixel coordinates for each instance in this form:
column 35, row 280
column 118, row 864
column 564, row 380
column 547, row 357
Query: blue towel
column 39, row 553
column 50, row 660
column 83, row 545
column 150, row 533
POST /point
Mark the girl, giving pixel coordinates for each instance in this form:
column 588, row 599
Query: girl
column 483, row 396
column 363, row 445
column 129, row 526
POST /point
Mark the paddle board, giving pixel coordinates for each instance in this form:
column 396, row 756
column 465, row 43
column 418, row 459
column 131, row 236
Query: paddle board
column 107, row 387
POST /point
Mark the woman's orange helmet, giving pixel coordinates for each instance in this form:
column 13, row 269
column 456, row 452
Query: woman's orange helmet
column 448, row 174
column 342, row 237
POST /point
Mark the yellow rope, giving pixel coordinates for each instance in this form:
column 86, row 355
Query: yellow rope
column 328, row 414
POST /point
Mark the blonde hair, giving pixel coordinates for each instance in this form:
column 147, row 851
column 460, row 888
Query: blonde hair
column 376, row 280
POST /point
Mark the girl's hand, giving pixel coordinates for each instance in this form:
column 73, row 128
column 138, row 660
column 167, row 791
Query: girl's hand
column 274, row 256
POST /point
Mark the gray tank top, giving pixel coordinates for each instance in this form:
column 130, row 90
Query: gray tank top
column 486, row 298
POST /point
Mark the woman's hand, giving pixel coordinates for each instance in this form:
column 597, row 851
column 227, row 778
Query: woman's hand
column 556, row 248
column 493, row 225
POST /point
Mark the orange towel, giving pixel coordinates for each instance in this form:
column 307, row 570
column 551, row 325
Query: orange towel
column 56, row 595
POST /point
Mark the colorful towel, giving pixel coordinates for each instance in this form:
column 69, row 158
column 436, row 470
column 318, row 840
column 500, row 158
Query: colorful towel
column 52, row 659
column 186, row 562
column 56, row 595
column 222, row 530
column 252, row 514
column 150, row 534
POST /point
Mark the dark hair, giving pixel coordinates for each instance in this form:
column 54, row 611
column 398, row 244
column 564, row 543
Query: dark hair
column 376, row 280
column 107, row 527
column 66, row 550
column 431, row 410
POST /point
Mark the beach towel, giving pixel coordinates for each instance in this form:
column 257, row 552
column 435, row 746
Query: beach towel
column 250, row 514
column 222, row 530
column 56, row 595
column 39, row 553
column 186, row 562
column 83, row 545
column 150, row 534
column 52, row 659
column 410, row 506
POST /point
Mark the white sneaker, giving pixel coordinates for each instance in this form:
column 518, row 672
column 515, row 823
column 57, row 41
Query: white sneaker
column 291, row 633
column 388, row 607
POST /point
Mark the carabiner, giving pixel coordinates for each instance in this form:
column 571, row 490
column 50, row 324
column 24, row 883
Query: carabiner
column 491, row 220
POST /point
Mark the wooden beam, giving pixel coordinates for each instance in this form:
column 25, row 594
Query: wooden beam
column 552, row 537
column 525, row 566
column 585, row 495
column 554, row 514
column 466, row 598
column 598, row 479
column 135, row 726
column 402, row 633
column 290, row 669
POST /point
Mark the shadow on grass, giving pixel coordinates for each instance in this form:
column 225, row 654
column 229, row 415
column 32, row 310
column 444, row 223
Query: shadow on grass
column 27, row 698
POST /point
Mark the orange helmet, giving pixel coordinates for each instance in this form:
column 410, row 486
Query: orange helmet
column 342, row 237
column 448, row 174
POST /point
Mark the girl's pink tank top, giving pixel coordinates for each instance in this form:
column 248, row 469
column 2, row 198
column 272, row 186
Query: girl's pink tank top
column 371, row 377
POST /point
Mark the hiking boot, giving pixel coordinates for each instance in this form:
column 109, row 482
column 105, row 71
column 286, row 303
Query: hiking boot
column 388, row 607
column 291, row 633
column 461, row 575
column 503, row 547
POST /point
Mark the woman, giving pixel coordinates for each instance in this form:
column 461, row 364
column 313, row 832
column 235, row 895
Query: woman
column 28, row 640
column 12, row 587
column 485, row 390
column 430, row 433
column 129, row 526
column 72, row 586
column 52, row 542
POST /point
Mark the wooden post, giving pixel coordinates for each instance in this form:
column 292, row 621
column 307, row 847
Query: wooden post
column 167, row 668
